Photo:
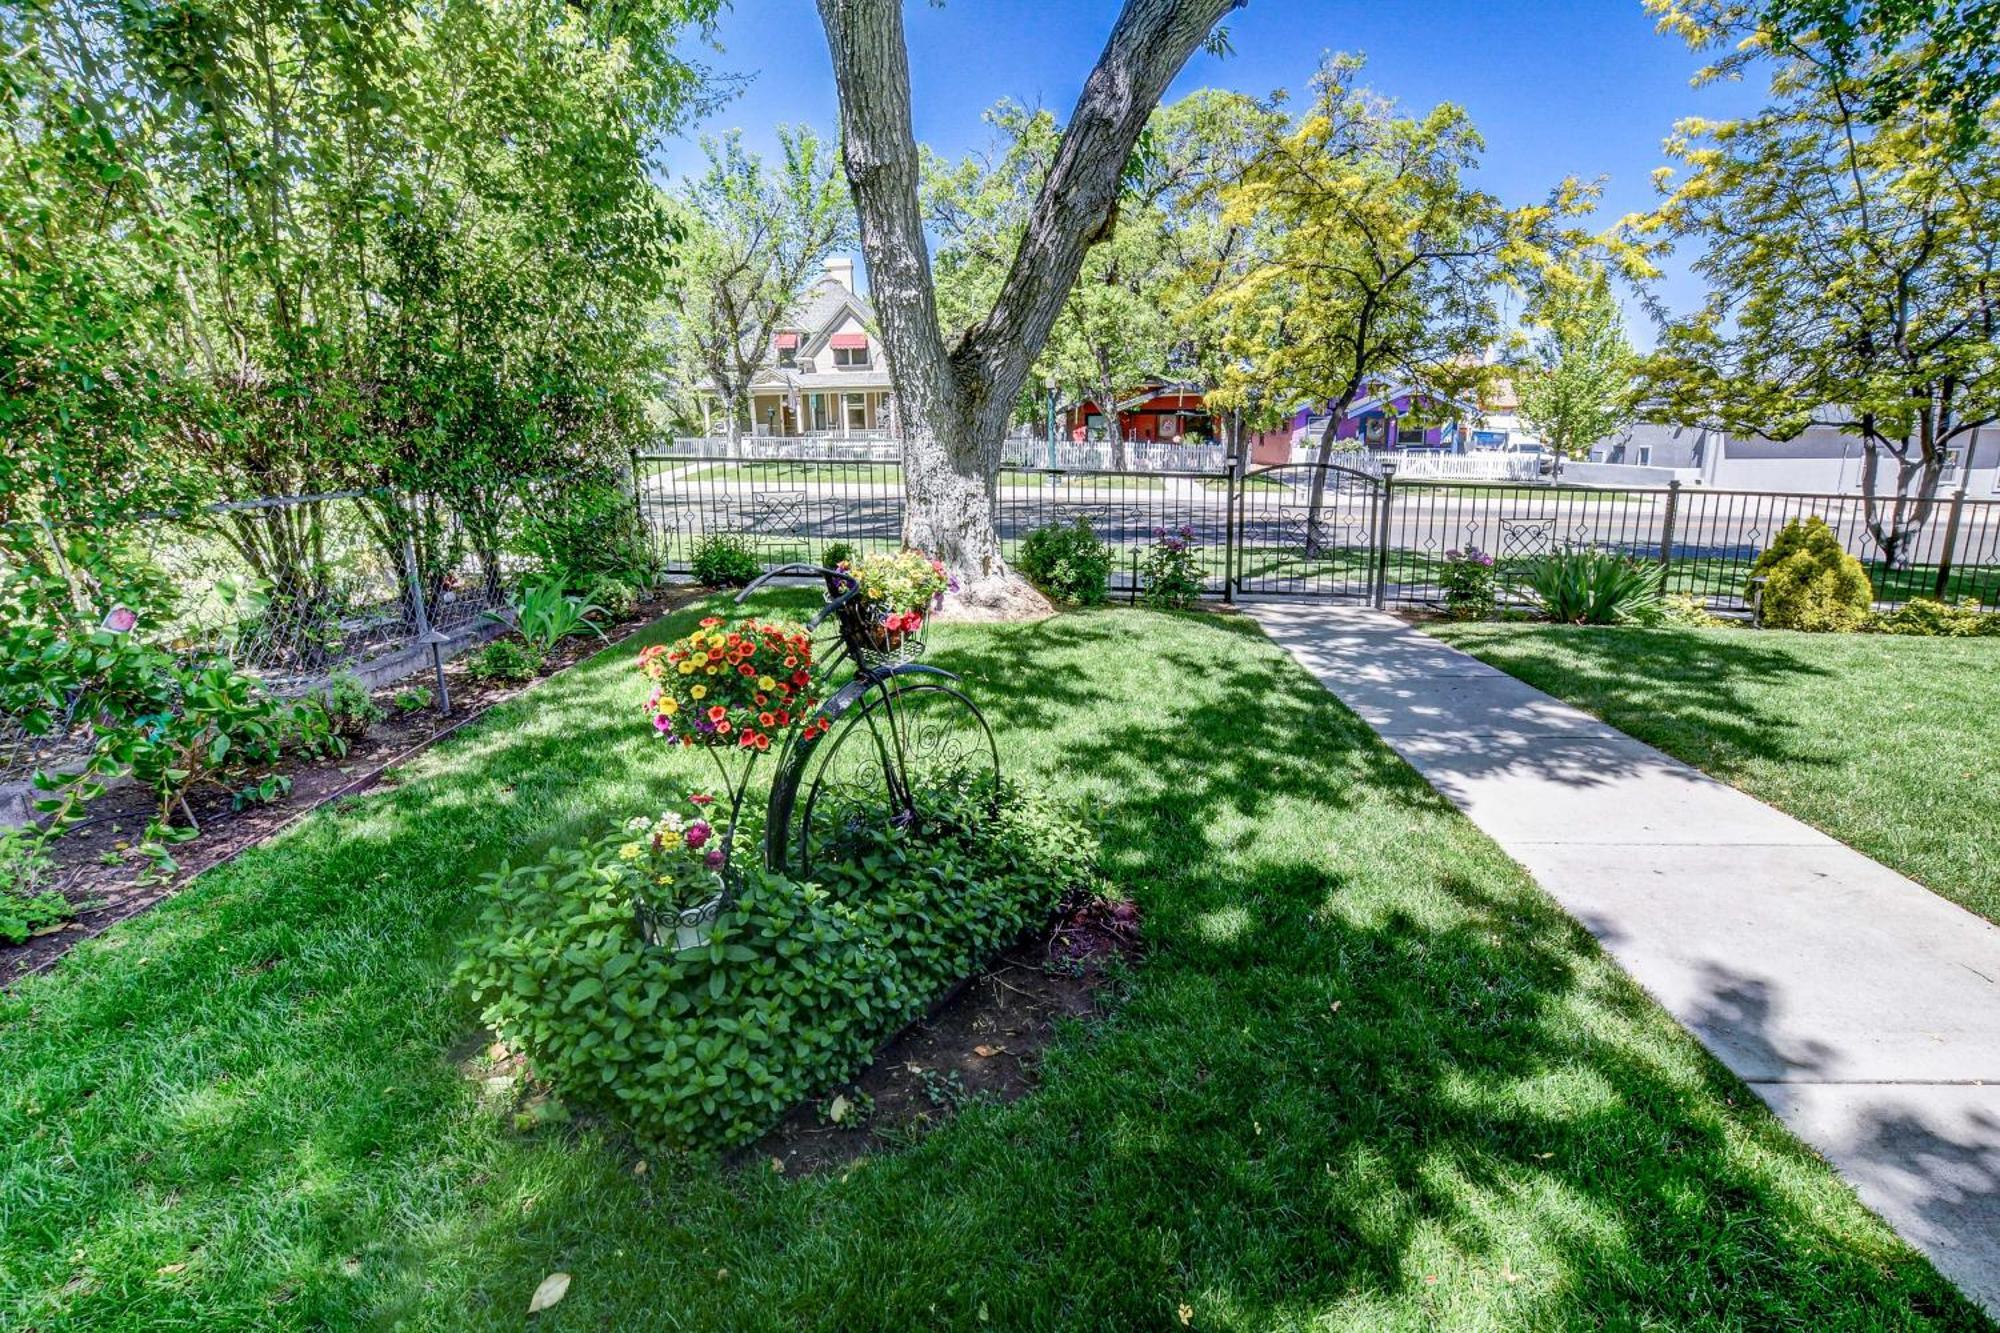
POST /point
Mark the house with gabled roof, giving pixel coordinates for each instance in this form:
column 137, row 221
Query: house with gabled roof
column 824, row 373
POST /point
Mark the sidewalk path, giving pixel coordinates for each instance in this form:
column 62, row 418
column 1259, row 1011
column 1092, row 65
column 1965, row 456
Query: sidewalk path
column 1862, row 1007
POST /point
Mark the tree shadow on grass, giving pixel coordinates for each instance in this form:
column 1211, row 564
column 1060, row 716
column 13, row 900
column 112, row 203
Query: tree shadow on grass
column 1693, row 694
column 1367, row 1077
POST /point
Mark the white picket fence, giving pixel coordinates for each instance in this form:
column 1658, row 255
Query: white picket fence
column 1140, row 456
column 1426, row 465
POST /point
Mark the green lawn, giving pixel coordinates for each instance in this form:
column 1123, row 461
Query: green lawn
column 832, row 475
column 1074, row 485
column 1885, row 743
column 1367, row 1077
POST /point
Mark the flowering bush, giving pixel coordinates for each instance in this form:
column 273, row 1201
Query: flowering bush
column 1468, row 584
column 1172, row 569
column 740, row 685
column 677, row 858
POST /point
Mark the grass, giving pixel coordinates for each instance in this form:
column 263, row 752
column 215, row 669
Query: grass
column 1368, row 1076
column 1885, row 743
column 831, row 474
column 1076, row 483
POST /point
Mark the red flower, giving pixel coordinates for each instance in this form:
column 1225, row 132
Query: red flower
column 746, row 670
column 717, row 712
column 763, row 742
column 699, row 798
column 800, row 678
column 747, row 740
column 784, row 718
column 722, row 728
column 762, row 698
column 766, row 720
column 711, row 622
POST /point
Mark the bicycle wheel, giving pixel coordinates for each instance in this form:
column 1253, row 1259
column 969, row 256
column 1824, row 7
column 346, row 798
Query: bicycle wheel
column 894, row 736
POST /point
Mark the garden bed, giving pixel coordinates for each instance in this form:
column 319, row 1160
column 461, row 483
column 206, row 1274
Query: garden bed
column 984, row 1043
column 99, row 871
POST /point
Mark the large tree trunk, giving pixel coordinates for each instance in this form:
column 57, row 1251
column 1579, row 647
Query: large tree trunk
column 1113, row 430
column 955, row 403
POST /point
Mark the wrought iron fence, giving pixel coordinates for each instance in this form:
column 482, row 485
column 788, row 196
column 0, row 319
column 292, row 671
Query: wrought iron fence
column 1370, row 535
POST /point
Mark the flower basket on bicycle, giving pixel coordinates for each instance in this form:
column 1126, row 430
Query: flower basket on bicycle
column 881, row 622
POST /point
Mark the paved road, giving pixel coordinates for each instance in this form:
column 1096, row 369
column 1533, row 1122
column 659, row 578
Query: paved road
column 1863, row 1009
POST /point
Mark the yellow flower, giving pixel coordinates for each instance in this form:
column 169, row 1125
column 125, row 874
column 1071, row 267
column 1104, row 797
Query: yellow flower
column 672, row 706
column 687, row 668
column 698, row 692
column 631, row 851
column 766, row 683
column 709, row 671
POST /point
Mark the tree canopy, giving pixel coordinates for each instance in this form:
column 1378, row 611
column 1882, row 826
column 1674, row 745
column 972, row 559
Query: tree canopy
column 1850, row 266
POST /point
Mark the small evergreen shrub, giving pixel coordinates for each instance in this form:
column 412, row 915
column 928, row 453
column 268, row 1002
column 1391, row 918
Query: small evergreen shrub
column 835, row 553
column 1172, row 570
column 798, row 985
column 1585, row 587
column 1925, row 617
column 1683, row 608
column 1067, row 562
column 1810, row 582
column 509, row 660
column 724, row 560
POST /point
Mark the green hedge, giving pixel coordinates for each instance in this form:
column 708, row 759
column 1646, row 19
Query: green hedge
column 800, row 984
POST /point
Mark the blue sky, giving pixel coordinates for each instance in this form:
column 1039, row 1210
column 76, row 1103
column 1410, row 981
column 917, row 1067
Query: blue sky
column 1557, row 87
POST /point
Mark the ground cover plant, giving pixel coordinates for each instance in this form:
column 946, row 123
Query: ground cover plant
column 1367, row 1076
column 1884, row 742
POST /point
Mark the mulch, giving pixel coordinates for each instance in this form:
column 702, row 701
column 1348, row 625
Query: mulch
column 100, row 872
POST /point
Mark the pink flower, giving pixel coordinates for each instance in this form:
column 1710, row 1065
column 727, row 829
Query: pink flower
column 122, row 620
column 662, row 723
column 714, row 858
column 697, row 834
column 699, row 798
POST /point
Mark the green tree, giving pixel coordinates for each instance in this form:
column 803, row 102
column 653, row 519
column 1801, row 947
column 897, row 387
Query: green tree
column 1850, row 268
column 1575, row 382
column 1940, row 56
column 1378, row 258
column 760, row 234
column 956, row 399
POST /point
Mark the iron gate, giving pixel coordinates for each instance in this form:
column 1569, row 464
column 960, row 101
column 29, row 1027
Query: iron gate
column 1310, row 529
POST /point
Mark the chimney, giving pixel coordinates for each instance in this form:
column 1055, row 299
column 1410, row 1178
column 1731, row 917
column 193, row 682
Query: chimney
column 841, row 270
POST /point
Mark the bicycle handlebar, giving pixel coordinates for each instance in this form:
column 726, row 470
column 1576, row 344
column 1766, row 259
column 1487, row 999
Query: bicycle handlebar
column 833, row 603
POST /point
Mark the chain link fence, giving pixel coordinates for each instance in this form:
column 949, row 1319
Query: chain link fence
column 296, row 590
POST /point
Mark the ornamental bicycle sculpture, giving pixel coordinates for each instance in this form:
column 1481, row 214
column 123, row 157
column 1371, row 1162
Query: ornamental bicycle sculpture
column 862, row 755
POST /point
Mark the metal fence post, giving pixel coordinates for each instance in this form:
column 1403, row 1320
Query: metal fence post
column 1951, row 535
column 1229, row 533
column 1382, row 534
column 1667, row 532
column 639, row 503
column 421, row 614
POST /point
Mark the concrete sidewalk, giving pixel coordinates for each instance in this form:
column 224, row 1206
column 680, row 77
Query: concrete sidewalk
column 1862, row 1007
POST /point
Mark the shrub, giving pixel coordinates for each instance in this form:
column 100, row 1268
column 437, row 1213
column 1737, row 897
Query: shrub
column 835, row 553
column 1468, row 584
column 508, row 660
column 350, row 709
column 724, row 560
column 1172, row 570
column 1683, row 608
column 1067, row 562
column 1926, row 617
column 1810, row 582
column 1586, row 587
column 587, row 526
column 798, row 984
column 414, row 699
column 614, row 596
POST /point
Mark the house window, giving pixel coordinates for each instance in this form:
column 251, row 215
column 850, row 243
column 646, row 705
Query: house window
column 788, row 349
column 850, row 358
column 1409, row 434
column 1645, row 455
column 857, row 411
column 1376, row 431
